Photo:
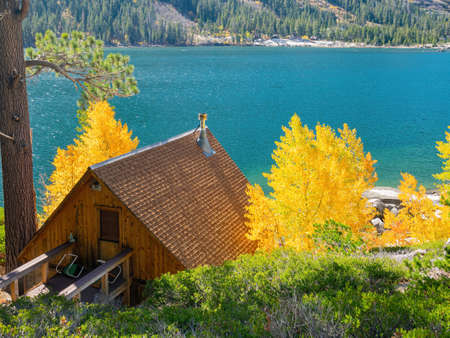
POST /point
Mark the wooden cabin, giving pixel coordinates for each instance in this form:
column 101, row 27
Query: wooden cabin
column 174, row 205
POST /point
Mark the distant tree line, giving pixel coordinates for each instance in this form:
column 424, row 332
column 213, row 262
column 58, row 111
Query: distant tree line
column 142, row 21
column 113, row 21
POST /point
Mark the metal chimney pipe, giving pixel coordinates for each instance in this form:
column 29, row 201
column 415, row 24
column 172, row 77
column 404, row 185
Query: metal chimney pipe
column 202, row 140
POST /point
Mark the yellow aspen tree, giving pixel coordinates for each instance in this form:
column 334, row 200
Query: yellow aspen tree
column 419, row 221
column 444, row 153
column 317, row 176
column 102, row 138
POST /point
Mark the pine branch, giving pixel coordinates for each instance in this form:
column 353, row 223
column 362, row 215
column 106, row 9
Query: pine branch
column 84, row 78
column 99, row 77
column 56, row 68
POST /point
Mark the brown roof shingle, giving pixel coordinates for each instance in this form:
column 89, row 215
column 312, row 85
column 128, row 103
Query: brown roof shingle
column 193, row 204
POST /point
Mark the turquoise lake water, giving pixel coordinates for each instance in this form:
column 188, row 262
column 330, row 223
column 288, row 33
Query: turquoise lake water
column 398, row 100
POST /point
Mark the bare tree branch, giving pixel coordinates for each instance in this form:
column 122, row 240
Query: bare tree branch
column 7, row 136
column 25, row 8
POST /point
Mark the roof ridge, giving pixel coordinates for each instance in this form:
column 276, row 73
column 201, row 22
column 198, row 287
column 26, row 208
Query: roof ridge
column 140, row 150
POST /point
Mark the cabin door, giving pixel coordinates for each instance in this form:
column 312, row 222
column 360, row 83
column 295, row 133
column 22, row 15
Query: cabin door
column 108, row 243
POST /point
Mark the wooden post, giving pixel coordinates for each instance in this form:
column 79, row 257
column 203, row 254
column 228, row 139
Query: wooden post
column 105, row 284
column 44, row 272
column 15, row 290
column 126, row 275
column 77, row 297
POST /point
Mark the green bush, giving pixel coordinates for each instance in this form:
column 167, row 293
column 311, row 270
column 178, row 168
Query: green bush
column 281, row 294
column 361, row 292
column 336, row 237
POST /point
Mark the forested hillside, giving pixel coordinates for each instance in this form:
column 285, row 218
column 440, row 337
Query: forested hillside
column 178, row 22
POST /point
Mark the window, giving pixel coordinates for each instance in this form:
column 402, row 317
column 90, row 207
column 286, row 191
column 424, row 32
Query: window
column 109, row 225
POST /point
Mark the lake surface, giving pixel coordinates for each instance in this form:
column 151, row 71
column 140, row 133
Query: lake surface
column 398, row 100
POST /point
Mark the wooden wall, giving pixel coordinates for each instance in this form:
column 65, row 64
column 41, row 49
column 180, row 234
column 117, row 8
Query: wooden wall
column 79, row 215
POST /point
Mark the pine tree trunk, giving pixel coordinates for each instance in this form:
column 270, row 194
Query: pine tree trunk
column 17, row 165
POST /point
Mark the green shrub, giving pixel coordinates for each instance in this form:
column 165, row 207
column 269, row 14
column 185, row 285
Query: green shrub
column 281, row 294
column 336, row 237
column 415, row 333
column 360, row 292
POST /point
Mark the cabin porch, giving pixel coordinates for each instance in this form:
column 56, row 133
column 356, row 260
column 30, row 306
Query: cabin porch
column 58, row 283
column 100, row 284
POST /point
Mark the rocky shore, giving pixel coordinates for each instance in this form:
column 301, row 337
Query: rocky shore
column 387, row 198
column 298, row 42
column 202, row 40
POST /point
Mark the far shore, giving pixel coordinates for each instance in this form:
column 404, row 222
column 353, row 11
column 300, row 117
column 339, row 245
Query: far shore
column 204, row 41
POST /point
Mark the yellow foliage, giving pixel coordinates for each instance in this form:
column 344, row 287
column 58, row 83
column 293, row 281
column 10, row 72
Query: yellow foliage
column 419, row 221
column 318, row 175
column 444, row 177
column 102, row 138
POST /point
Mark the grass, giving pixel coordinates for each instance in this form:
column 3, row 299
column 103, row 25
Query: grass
column 282, row 294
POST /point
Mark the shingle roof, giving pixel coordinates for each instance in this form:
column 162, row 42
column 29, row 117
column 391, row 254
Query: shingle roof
column 193, row 204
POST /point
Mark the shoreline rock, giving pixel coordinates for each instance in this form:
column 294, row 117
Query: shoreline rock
column 383, row 198
column 389, row 195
